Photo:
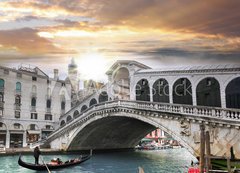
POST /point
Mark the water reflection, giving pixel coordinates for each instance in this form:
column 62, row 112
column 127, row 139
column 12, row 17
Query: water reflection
column 163, row 161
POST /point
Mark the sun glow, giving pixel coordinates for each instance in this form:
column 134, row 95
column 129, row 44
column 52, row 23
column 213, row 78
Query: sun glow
column 93, row 66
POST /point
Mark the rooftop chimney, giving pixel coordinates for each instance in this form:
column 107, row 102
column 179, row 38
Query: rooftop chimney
column 55, row 73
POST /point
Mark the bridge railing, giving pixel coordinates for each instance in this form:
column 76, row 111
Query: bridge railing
column 198, row 111
column 83, row 102
column 214, row 112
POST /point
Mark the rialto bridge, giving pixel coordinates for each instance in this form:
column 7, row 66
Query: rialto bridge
column 138, row 99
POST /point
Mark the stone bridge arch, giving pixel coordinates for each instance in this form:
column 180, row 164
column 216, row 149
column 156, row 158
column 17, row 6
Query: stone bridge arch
column 86, row 135
column 91, row 130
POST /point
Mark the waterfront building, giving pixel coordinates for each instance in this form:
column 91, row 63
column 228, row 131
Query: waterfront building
column 31, row 104
column 160, row 137
column 157, row 135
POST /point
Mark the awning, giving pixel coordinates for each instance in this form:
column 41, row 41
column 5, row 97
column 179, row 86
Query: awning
column 47, row 130
column 16, row 131
column 33, row 131
column 146, row 140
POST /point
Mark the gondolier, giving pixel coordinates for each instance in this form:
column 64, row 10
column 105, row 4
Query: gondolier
column 36, row 154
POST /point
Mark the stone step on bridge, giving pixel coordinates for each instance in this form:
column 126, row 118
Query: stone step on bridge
column 122, row 124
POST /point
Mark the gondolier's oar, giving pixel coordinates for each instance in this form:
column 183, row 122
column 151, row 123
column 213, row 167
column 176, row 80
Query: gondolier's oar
column 140, row 170
column 45, row 164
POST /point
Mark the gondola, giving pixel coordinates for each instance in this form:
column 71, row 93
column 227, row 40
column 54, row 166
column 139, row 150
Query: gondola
column 42, row 167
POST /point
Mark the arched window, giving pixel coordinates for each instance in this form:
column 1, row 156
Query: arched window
column 75, row 114
column 17, row 100
column 17, row 126
column 233, row 94
column 62, row 123
column 34, row 89
column 208, row 93
column 92, row 102
column 32, row 127
column 49, row 103
column 1, row 97
column 121, row 84
column 161, row 91
column 33, row 101
column 84, row 107
column 3, row 126
column 18, row 86
column 69, row 118
column 63, row 105
column 103, row 97
column 182, row 91
column 1, row 83
column 142, row 90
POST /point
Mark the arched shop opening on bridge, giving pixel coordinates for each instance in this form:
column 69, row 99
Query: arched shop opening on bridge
column 142, row 90
column 208, row 93
column 182, row 92
column 103, row 97
column 121, row 84
column 92, row 102
column 160, row 91
column 233, row 94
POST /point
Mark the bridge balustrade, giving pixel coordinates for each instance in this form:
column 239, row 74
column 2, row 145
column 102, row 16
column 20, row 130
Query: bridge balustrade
column 156, row 107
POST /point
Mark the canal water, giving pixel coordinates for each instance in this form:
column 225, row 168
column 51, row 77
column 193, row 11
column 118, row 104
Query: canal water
column 161, row 161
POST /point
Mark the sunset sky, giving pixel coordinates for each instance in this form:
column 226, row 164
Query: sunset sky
column 158, row 33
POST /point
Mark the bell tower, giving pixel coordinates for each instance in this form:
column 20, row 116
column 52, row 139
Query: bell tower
column 73, row 77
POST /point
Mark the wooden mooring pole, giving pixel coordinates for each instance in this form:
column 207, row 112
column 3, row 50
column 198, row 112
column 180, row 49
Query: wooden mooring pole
column 202, row 147
column 228, row 165
column 208, row 152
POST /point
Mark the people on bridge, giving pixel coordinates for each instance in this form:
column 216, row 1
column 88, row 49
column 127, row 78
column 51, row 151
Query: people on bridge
column 232, row 153
column 36, row 154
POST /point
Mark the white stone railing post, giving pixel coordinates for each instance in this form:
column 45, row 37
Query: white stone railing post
column 224, row 114
column 213, row 113
column 181, row 109
column 170, row 93
column 194, row 96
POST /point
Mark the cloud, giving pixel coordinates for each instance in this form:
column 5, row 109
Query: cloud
column 213, row 17
column 27, row 41
column 169, row 32
column 185, row 16
column 176, row 56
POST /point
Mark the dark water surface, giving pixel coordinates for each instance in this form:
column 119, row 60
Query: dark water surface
column 161, row 161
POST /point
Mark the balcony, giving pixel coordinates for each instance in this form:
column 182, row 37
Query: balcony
column 48, row 110
column 18, row 92
column 1, row 104
column 17, row 114
column 33, row 108
column 1, row 89
column 17, row 106
column 33, row 94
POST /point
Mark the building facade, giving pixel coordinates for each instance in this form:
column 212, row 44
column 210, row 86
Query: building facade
column 31, row 104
